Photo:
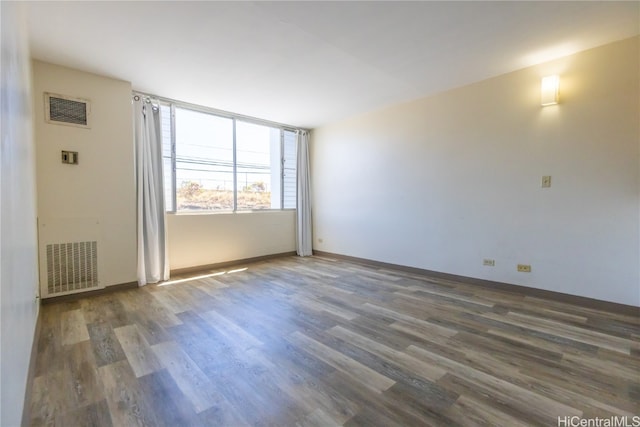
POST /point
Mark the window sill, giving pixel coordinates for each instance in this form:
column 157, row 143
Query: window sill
column 261, row 211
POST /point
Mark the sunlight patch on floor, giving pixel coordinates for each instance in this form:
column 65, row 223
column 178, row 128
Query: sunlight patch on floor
column 204, row 276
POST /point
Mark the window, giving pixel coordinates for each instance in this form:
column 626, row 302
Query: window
column 167, row 157
column 204, row 161
column 223, row 163
column 289, row 167
column 258, row 159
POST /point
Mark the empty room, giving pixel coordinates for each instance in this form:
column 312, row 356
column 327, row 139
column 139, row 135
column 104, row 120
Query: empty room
column 318, row 213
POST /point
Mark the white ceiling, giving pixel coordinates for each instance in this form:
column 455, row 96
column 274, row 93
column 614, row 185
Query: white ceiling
column 311, row 63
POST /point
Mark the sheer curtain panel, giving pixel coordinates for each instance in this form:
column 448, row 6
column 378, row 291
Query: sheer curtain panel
column 303, row 213
column 153, row 262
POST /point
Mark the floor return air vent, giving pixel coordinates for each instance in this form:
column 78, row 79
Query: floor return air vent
column 72, row 267
column 69, row 256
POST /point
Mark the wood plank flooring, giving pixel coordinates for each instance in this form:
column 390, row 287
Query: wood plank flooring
column 321, row 342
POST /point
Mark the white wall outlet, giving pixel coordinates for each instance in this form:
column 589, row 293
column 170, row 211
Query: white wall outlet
column 489, row 262
column 524, row 268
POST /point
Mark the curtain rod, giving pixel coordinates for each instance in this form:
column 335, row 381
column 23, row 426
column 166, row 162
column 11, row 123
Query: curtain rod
column 223, row 113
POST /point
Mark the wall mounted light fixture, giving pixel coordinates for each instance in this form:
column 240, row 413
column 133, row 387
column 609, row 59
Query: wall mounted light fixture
column 549, row 90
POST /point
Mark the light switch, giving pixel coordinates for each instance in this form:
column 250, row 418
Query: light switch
column 70, row 157
column 546, row 181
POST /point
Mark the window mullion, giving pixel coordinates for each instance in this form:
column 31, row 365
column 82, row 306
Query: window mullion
column 281, row 168
column 235, row 169
column 174, row 185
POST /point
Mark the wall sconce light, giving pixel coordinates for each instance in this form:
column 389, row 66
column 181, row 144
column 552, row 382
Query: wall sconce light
column 549, row 90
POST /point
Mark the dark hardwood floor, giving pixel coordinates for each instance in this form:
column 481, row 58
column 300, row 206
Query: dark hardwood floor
column 320, row 342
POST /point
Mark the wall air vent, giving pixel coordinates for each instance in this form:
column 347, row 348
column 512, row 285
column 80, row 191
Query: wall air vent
column 65, row 110
column 71, row 267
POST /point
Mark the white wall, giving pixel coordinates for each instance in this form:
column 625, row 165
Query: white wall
column 445, row 181
column 18, row 247
column 202, row 239
column 102, row 185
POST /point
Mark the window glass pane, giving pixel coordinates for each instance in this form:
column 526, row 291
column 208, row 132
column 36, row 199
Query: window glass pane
column 204, row 161
column 289, row 162
column 199, row 167
column 167, row 166
column 258, row 166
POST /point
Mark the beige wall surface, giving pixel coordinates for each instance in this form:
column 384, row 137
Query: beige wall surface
column 444, row 182
column 202, row 239
column 18, row 240
column 102, row 185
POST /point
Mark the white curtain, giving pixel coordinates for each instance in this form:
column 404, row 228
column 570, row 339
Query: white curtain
column 153, row 262
column 303, row 185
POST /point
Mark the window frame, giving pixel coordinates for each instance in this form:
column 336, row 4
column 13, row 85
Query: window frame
column 173, row 105
column 174, row 196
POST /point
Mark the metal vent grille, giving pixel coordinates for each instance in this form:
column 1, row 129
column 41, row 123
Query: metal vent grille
column 72, row 266
column 65, row 110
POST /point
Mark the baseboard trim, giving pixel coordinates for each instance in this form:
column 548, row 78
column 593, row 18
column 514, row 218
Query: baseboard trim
column 80, row 295
column 611, row 307
column 215, row 266
column 26, row 409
